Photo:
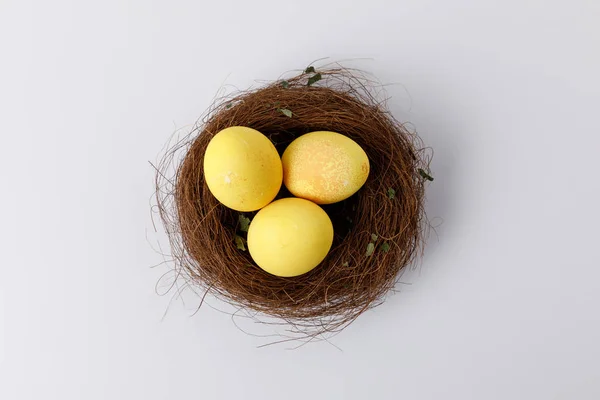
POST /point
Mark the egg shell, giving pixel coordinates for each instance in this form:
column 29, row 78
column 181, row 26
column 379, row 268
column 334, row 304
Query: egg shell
column 242, row 168
column 324, row 167
column 290, row 237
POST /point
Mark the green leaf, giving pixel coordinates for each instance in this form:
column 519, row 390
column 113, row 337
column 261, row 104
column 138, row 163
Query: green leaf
column 244, row 223
column 313, row 79
column 385, row 247
column 285, row 112
column 374, row 237
column 276, row 104
column 309, row 70
column 228, row 106
column 285, row 84
column 425, row 175
column 391, row 193
column 240, row 243
column 370, row 249
column 345, row 264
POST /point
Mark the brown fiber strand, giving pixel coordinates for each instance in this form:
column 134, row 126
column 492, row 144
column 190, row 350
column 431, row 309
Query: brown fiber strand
column 348, row 282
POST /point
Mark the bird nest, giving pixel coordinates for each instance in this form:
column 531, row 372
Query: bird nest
column 379, row 231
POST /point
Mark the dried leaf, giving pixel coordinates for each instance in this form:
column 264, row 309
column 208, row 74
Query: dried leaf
column 374, row 237
column 309, row 70
column 240, row 243
column 244, row 223
column 285, row 84
column 385, row 247
column 425, row 175
column 315, row 78
column 370, row 249
column 391, row 193
column 285, row 112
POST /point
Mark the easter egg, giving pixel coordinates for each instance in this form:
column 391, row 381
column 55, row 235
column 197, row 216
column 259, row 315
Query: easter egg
column 290, row 237
column 324, row 167
column 242, row 168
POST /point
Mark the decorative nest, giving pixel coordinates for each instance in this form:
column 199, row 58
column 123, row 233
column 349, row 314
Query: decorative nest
column 378, row 231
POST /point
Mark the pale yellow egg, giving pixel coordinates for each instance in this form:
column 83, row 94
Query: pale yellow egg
column 242, row 168
column 324, row 167
column 290, row 237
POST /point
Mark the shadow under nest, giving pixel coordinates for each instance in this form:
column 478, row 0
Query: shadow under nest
column 378, row 231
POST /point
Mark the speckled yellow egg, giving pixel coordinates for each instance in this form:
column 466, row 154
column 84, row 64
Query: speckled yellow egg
column 242, row 168
column 290, row 237
column 324, row 167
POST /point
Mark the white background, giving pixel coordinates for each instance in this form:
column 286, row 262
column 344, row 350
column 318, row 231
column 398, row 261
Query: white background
column 506, row 302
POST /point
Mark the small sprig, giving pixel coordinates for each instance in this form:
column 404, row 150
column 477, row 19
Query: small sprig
column 313, row 79
column 286, row 112
column 391, row 193
column 240, row 243
column 371, row 245
column 370, row 249
column 244, row 223
column 425, row 175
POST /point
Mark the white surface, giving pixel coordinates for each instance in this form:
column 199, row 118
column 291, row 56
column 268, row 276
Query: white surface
column 505, row 305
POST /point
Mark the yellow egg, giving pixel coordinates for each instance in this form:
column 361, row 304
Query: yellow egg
column 289, row 237
column 242, row 168
column 324, row 167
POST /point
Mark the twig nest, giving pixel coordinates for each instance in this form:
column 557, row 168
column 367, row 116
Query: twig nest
column 378, row 231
